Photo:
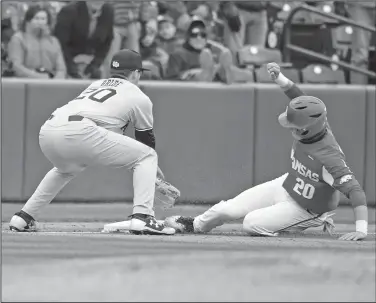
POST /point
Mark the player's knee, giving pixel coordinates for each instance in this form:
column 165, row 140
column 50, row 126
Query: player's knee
column 153, row 154
column 254, row 225
column 250, row 223
column 150, row 158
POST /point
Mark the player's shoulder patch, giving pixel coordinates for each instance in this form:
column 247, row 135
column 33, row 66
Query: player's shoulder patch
column 345, row 179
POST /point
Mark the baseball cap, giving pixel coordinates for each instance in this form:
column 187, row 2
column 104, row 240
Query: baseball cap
column 126, row 59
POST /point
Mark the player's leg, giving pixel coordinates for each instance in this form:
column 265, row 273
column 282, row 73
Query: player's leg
column 115, row 150
column 283, row 216
column 257, row 197
column 53, row 182
column 51, row 143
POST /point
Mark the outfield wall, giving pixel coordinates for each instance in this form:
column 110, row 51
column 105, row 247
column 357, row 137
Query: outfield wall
column 213, row 140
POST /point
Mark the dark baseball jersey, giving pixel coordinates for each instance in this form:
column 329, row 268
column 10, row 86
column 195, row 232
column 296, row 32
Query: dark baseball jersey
column 318, row 171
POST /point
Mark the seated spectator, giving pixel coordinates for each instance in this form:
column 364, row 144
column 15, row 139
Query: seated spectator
column 196, row 60
column 179, row 13
column 85, row 32
column 148, row 11
column 245, row 23
column 14, row 11
column 206, row 11
column 167, row 41
column 153, row 57
column 33, row 51
column 193, row 60
column 6, row 34
column 7, row 30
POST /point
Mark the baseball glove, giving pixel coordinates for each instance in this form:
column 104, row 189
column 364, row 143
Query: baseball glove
column 166, row 193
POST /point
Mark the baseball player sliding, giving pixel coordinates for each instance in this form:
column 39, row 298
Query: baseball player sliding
column 88, row 131
column 302, row 197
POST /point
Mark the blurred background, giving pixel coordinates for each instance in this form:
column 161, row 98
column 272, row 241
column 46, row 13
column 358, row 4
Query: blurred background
column 207, row 41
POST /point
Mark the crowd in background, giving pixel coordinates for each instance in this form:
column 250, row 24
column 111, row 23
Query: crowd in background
column 178, row 40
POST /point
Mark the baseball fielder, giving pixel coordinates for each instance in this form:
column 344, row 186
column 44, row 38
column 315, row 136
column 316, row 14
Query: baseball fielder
column 302, row 197
column 88, row 131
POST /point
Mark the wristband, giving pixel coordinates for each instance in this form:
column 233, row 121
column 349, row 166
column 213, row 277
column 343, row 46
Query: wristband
column 281, row 80
column 361, row 226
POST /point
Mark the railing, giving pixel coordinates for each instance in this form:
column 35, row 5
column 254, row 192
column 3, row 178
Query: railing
column 288, row 46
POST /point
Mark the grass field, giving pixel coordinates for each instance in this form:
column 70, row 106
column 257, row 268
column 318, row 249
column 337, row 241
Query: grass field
column 69, row 259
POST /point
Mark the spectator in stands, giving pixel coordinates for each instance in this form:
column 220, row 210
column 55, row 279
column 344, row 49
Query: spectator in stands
column 33, row 51
column 6, row 34
column 154, row 58
column 148, row 11
column 14, row 11
column 167, row 40
column 206, row 11
column 363, row 12
column 246, row 23
column 179, row 13
column 200, row 59
column 193, row 61
column 7, row 30
column 126, row 25
column 85, row 31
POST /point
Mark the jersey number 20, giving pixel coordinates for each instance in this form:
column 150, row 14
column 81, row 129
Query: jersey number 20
column 304, row 189
column 97, row 95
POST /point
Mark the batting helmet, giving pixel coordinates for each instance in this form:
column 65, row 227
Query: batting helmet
column 305, row 115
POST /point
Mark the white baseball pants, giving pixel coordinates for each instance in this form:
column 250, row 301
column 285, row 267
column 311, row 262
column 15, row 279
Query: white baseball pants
column 71, row 146
column 266, row 208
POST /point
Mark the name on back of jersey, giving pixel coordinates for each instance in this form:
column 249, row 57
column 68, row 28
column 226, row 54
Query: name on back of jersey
column 111, row 82
column 302, row 170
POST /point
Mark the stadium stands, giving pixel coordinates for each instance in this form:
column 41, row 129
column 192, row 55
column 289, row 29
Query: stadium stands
column 314, row 31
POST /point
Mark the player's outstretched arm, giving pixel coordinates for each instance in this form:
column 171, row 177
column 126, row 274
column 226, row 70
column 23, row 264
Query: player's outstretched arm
column 358, row 200
column 361, row 225
column 344, row 180
column 289, row 88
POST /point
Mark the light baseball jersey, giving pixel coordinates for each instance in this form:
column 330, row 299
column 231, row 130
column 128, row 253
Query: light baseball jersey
column 317, row 174
column 112, row 103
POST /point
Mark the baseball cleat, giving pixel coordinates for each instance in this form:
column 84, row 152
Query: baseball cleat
column 22, row 222
column 121, row 226
column 180, row 224
column 148, row 225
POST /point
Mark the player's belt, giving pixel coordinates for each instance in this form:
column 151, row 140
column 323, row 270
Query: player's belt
column 70, row 118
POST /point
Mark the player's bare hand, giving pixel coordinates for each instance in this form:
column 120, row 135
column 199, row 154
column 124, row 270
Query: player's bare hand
column 353, row 236
column 273, row 70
